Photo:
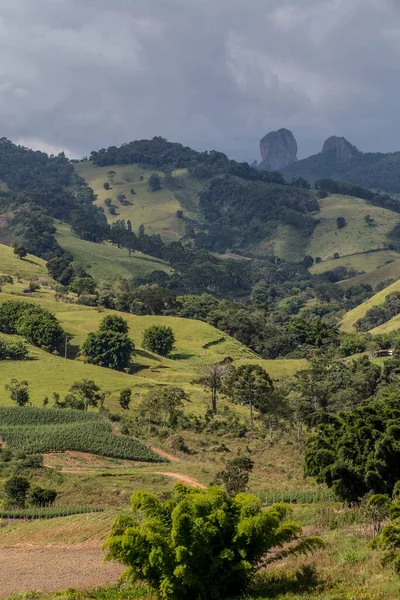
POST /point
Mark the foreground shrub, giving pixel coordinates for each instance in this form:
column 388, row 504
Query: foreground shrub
column 201, row 544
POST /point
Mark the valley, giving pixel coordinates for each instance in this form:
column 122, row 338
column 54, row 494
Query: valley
column 217, row 327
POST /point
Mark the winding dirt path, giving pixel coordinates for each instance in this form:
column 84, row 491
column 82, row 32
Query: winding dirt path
column 53, row 568
column 182, row 479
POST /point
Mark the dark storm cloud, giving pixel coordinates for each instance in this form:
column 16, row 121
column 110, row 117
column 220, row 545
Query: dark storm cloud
column 83, row 74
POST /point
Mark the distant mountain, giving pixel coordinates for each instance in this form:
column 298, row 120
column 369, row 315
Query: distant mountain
column 278, row 150
column 339, row 159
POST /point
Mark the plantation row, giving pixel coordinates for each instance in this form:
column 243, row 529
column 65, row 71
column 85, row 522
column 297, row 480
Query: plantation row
column 96, row 438
column 30, row 415
column 51, row 512
column 37, row 430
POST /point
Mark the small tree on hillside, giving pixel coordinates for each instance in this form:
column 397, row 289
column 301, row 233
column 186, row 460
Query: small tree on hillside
column 159, row 339
column 18, row 392
column 111, row 175
column 154, row 182
column 251, row 385
column 106, row 185
column 125, row 398
column 235, row 476
column 20, row 251
column 114, row 323
column 341, row 222
column 211, row 377
column 16, row 490
column 164, row 405
column 108, row 349
column 83, row 394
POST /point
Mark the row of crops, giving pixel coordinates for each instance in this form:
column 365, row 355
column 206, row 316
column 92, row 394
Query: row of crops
column 296, row 496
column 52, row 512
column 40, row 430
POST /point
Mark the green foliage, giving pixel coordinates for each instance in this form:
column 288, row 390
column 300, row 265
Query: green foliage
column 16, row 490
column 41, row 328
column 154, row 182
column 13, row 350
column 163, row 406
column 83, row 285
column 125, row 397
column 357, row 451
column 19, row 391
column 20, row 251
column 389, row 539
column 158, row 339
column 197, row 544
column 340, row 222
column 235, row 476
column 41, row 497
column 352, row 344
column 251, row 385
column 83, row 394
column 114, row 323
column 108, row 349
column 377, row 315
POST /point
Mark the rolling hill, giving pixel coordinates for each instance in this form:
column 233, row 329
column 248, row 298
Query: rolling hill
column 350, row 319
column 47, row 373
column 105, row 261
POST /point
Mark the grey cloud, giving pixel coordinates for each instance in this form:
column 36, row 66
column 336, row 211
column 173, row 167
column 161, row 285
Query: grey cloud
column 84, row 74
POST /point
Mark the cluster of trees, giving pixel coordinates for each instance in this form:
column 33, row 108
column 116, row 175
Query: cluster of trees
column 42, row 188
column 240, row 212
column 377, row 315
column 38, row 325
column 19, row 493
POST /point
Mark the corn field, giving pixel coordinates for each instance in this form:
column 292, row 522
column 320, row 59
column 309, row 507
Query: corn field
column 60, row 430
column 296, row 497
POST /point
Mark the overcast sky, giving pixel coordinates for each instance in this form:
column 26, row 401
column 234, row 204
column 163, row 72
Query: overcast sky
column 85, row 74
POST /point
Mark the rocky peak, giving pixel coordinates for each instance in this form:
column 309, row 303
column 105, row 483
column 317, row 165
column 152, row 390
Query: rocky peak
column 278, row 150
column 339, row 149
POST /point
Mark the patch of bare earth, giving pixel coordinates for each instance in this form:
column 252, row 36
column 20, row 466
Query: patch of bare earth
column 182, row 479
column 53, row 568
column 166, row 455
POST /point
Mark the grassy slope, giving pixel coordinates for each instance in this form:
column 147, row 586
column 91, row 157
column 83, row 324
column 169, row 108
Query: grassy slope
column 373, row 264
column 107, row 262
column 289, row 243
column 357, row 313
column 30, row 267
column 389, row 271
column 47, row 373
column 356, row 236
column 156, row 210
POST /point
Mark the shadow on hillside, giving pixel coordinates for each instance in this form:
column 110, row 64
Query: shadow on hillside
column 279, row 583
column 73, row 352
column 145, row 354
column 32, row 262
column 181, row 356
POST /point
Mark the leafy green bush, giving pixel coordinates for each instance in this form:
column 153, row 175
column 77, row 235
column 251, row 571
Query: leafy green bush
column 159, row 339
column 41, row 497
column 37, row 324
column 201, row 544
column 16, row 490
column 108, row 349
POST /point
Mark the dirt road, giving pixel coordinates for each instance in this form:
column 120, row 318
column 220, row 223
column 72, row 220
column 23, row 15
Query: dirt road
column 52, row 568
